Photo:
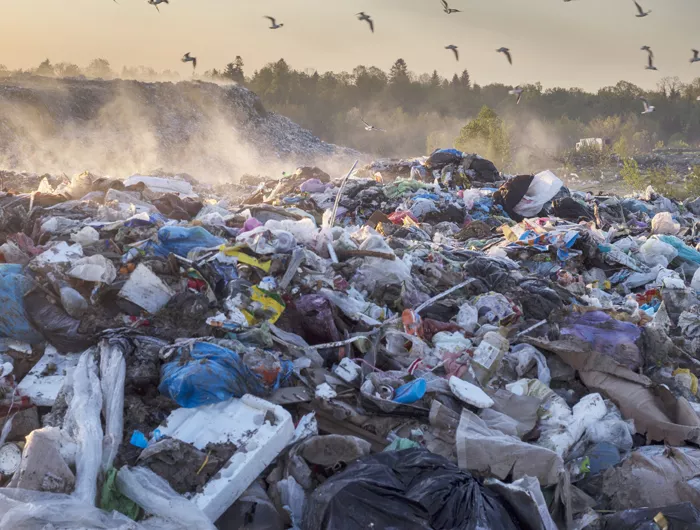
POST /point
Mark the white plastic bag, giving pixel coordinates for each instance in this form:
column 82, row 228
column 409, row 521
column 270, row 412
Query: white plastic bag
column 543, row 188
column 655, row 252
column 86, row 236
column 95, row 268
column 524, row 356
column 663, row 223
column 155, row 495
column 468, row 317
column 113, row 375
column 30, row 510
column 83, row 424
column 695, row 282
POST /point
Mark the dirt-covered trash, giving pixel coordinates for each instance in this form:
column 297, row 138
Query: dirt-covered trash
column 521, row 351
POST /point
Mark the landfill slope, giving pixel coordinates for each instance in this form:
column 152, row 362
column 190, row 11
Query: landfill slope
column 120, row 127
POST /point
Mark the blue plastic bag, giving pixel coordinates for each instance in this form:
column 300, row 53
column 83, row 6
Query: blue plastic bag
column 684, row 251
column 13, row 319
column 181, row 240
column 212, row 374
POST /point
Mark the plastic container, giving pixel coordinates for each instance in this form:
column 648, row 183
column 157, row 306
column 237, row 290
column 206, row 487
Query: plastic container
column 489, row 354
column 244, row 422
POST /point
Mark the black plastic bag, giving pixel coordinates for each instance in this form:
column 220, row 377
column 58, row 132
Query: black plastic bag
column 57, row 327
column 682, row 516
column 511, row 193
column 408, row 490
column 493, row 275
column 571, row 210
column 485, row 170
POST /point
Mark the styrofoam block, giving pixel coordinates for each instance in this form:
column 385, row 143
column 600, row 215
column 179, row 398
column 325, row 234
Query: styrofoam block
column 242, row 422
column 43, row 389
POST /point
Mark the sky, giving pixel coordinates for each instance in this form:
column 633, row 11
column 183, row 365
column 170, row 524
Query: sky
column 582, row 43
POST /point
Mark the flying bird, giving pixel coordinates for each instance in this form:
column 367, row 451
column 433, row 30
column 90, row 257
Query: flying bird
column 651, row 63
column 273, row 23
column 447, row 9
column 362, row 16
column 696, row 56
column 648, row 109
column 155, row 3
column 454, row 49
column 187, row 59
column 506, row 52
column 642, row 13
column 369, row 127
column 517, row 91
column 648, row 50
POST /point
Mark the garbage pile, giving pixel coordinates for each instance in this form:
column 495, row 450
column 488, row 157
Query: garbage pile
column 420, row 344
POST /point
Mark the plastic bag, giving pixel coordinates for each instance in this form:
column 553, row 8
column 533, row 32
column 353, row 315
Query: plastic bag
column 468, row 317
column 83, row 424
column 525, row 355
column 543, row 188
column 655, row 252
column 181, row 240
column 213, row 374
column 57, row 327
column 155, row 495
column 13, row 319
column 293, row 499
column 684, row 251
column 606, row 335
column 85, row 236
column 663, row 223
column 412, row 489
column 95, row 268
column 29, row 510
column 262, row 240
column 113, row 375
column 682, row 516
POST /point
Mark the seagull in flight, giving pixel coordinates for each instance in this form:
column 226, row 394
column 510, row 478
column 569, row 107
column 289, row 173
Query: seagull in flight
column 155, row 3
column 648, row 109
column 187, row 59
column 447, row 9
column 273, row 23
column 642, row 13
column 369, row 127
column 517, row 91
column 363, row 16
column 454, row 49
column 696, row 56
column 506, row 52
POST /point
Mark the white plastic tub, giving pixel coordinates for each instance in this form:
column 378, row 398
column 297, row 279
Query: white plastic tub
column 242, row 422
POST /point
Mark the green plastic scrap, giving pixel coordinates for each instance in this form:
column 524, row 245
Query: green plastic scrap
column 401, row 187
column 399, row 444
column 112, row 500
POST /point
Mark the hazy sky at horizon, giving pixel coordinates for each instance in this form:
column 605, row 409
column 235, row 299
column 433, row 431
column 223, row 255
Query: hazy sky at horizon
column 584, row 43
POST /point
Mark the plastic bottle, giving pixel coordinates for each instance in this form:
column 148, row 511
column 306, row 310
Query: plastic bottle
column 489, row 354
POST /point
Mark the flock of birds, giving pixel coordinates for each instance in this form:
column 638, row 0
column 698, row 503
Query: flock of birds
column 517, row 91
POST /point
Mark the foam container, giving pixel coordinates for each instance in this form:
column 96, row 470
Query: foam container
column 42, row 390
column 241, row 421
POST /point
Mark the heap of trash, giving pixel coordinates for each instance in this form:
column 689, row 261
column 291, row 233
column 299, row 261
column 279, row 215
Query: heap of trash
column 418, row 344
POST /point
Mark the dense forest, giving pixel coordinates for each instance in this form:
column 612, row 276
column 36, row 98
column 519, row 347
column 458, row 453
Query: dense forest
column 421, row 112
